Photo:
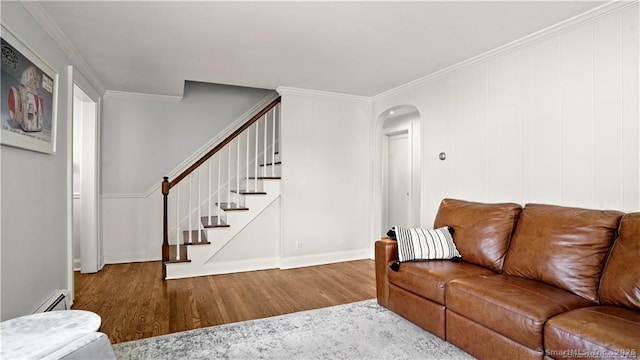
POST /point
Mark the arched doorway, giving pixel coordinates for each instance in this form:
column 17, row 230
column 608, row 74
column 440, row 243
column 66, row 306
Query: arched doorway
column 400, row 161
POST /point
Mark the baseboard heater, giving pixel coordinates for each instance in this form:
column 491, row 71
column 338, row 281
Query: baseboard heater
column 60, row 300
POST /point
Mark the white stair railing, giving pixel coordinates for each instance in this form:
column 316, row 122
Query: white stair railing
column 254, row 140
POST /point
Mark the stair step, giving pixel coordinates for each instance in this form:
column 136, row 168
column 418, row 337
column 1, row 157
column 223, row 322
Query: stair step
column 269, row 164
column 264, row 177
column 173, row 252
column 214, row 222
column 194, row 238
column 231, row 206
column 249, row 192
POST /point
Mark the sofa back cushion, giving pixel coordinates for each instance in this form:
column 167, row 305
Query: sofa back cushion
column 562, row 246
column 481, row 231
column 620, row 284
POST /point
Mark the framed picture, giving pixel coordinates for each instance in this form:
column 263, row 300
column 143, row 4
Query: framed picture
column 28, row 97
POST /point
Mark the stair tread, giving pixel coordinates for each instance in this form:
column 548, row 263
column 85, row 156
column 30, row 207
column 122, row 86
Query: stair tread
column 214, row 222
column 231, row 206
column 264, row 177
column 173, row 252
column 269, row 164
column 196, row 242
column 249, row 192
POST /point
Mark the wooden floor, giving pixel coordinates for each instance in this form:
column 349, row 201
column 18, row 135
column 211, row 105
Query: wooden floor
column 135, row 303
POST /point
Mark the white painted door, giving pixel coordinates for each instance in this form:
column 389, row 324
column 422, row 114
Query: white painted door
column 399, row 180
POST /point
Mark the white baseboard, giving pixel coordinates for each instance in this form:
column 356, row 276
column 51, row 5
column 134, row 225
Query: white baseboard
column 76, row 264
column 236, row 266
column 325, row 258
column 131, row 257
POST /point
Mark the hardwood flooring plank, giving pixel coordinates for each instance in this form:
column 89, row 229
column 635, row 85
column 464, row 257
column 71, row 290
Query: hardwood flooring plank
column 135, row 303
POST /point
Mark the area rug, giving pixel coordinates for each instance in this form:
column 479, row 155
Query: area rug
column 362, row 330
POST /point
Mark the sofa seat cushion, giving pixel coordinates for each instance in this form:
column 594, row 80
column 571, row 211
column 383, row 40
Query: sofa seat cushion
column 512, row 306
column 604, row 332
column 428, row 278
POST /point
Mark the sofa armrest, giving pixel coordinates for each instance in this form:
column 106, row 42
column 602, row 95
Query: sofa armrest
column 386, row 252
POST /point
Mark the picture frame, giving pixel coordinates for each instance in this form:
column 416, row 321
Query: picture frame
column 28, row 97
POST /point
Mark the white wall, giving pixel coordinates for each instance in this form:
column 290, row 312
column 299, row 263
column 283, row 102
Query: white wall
column 256, row 247
column 144, row 139
column 132, row 228
column 554, row 120
column 326, row 179
column 34, row 258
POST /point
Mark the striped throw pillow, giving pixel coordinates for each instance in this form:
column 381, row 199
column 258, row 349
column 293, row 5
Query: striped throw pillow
column 424, row 244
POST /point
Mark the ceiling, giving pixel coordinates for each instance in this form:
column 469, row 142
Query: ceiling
column 358, row 48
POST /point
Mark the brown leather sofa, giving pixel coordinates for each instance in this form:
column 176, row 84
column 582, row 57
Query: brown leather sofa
column 537, row 282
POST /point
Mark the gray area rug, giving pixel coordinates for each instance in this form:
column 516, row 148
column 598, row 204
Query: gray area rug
column 362, row 330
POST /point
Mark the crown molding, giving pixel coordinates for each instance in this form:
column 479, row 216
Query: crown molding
column 565, row 25
column 285, row 90
column 41, row 16
column 142, row 96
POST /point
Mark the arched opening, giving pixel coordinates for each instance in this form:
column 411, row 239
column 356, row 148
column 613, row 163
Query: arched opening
column 400, row 167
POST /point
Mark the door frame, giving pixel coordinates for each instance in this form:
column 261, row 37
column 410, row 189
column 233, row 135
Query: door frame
column 75, row 78
column 386, row 134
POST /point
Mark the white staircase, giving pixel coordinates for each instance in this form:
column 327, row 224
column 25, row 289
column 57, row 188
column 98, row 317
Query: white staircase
column 202, row 256
column 210, row 203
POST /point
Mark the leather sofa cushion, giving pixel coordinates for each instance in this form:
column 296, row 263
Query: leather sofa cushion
column 481, row 231
column 562, row 246
column 428, row 278
column 511, row 306
column 620, row 284
column 604, row 332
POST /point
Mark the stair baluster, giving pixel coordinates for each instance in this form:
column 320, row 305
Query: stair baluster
column 189, row 207
column 255, row 159
column 238, row 170
column 264, row 145
column 199, row 205
column 229, row 175
column 247, row 167
column 178, row 223
column 210, row 195
column 219, row 202
column 273, row 144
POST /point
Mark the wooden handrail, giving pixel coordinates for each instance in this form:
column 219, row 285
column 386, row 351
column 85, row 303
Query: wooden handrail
column 167, row 185
column 228, row 139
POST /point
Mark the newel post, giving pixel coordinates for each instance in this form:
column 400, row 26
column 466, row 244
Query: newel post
column 165, row 223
